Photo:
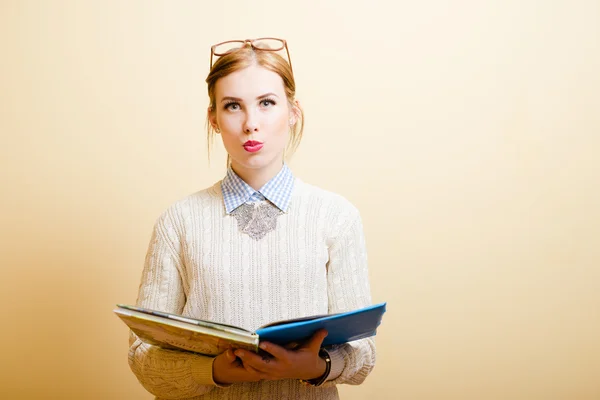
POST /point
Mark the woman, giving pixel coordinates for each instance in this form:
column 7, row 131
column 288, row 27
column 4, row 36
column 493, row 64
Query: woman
column 259, row 246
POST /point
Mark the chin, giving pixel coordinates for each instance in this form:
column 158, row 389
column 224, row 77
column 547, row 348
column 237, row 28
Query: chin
column 255, row 161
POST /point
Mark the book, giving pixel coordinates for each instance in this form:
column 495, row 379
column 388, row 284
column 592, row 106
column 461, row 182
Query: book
column 176, row 332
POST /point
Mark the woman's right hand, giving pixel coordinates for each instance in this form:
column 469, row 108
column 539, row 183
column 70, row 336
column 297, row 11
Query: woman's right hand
column 227, row 369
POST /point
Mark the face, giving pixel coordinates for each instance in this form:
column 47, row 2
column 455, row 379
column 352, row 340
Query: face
column 253, row 116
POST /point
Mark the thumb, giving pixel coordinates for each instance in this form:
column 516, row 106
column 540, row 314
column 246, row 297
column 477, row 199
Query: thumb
column 316, row 340
column 229, row 355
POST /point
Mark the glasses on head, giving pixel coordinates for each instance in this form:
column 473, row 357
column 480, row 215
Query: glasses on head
column 262, row 44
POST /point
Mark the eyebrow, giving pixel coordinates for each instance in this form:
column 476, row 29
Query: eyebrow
column 270, row 94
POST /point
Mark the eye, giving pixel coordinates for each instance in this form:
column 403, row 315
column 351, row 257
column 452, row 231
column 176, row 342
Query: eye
column 232, row 106
column 267, row 102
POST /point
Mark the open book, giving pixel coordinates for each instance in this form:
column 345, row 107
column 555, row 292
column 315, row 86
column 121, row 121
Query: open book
column 177, row 332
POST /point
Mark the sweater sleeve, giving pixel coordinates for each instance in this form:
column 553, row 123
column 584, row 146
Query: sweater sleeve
column 348, row 289
column 168, row 374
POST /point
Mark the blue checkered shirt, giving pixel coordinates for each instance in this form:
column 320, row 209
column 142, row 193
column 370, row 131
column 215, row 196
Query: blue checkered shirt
column 278, row 190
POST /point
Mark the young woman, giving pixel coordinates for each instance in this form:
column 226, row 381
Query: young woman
column 258, row 246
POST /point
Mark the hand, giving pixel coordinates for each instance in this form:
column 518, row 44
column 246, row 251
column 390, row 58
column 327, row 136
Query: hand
column 302, row 363
column 227, row 368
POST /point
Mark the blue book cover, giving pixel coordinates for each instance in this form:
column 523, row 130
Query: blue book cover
column 341, row 327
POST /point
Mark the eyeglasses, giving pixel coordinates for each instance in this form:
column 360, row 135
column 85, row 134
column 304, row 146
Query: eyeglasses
column 262, row 44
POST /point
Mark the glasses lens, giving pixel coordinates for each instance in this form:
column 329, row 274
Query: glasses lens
column 268, row 44
column 225, row 48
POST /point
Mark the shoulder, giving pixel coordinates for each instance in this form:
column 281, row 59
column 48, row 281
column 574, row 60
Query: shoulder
column 181, row 211
column 308, row 191
column 335, row 208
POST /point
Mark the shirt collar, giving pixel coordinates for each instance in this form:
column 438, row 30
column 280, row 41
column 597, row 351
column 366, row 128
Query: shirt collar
column 278, row 190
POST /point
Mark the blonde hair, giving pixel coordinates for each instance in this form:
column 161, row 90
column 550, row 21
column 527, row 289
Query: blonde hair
column 243, row 58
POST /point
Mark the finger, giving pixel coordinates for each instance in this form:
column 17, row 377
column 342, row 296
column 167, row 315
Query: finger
column 316, row 341
column 230, row 356
column 292, row 345
column 227, row 356
column 268, row 375
column 255, row 361
column 275, row 350
column 251, row 369
column 256, row 374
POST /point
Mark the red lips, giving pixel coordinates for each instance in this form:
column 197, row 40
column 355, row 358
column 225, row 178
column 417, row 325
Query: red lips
column 252, row 146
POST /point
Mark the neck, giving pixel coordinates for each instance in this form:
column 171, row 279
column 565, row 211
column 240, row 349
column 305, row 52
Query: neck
column 257, row 178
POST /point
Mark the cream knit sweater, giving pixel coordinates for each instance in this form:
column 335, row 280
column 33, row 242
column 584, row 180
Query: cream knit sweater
column 199, row 264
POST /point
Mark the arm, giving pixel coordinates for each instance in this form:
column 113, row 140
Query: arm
column 348, row 289
column 165, row 373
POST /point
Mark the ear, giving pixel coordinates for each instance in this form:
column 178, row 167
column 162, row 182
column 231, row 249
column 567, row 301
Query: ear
column 212, row 118
column 295, row 112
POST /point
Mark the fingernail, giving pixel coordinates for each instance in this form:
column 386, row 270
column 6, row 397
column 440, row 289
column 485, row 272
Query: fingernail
column 263, row 346
column 240, row 354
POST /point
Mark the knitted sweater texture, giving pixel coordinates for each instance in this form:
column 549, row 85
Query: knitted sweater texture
column 200, row 265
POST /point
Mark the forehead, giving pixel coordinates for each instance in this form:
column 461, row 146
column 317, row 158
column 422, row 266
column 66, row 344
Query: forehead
column 250, row 83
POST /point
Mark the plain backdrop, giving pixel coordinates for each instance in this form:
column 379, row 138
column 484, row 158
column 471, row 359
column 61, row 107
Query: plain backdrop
column 466, row 132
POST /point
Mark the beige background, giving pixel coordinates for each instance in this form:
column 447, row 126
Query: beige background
column 467, row 133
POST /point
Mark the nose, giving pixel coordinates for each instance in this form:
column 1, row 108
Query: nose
column 251, row 123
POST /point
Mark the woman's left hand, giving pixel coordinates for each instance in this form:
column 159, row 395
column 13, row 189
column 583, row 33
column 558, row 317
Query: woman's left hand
column 301, row 363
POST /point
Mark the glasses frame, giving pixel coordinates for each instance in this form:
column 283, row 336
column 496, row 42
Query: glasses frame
column 251, row 42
